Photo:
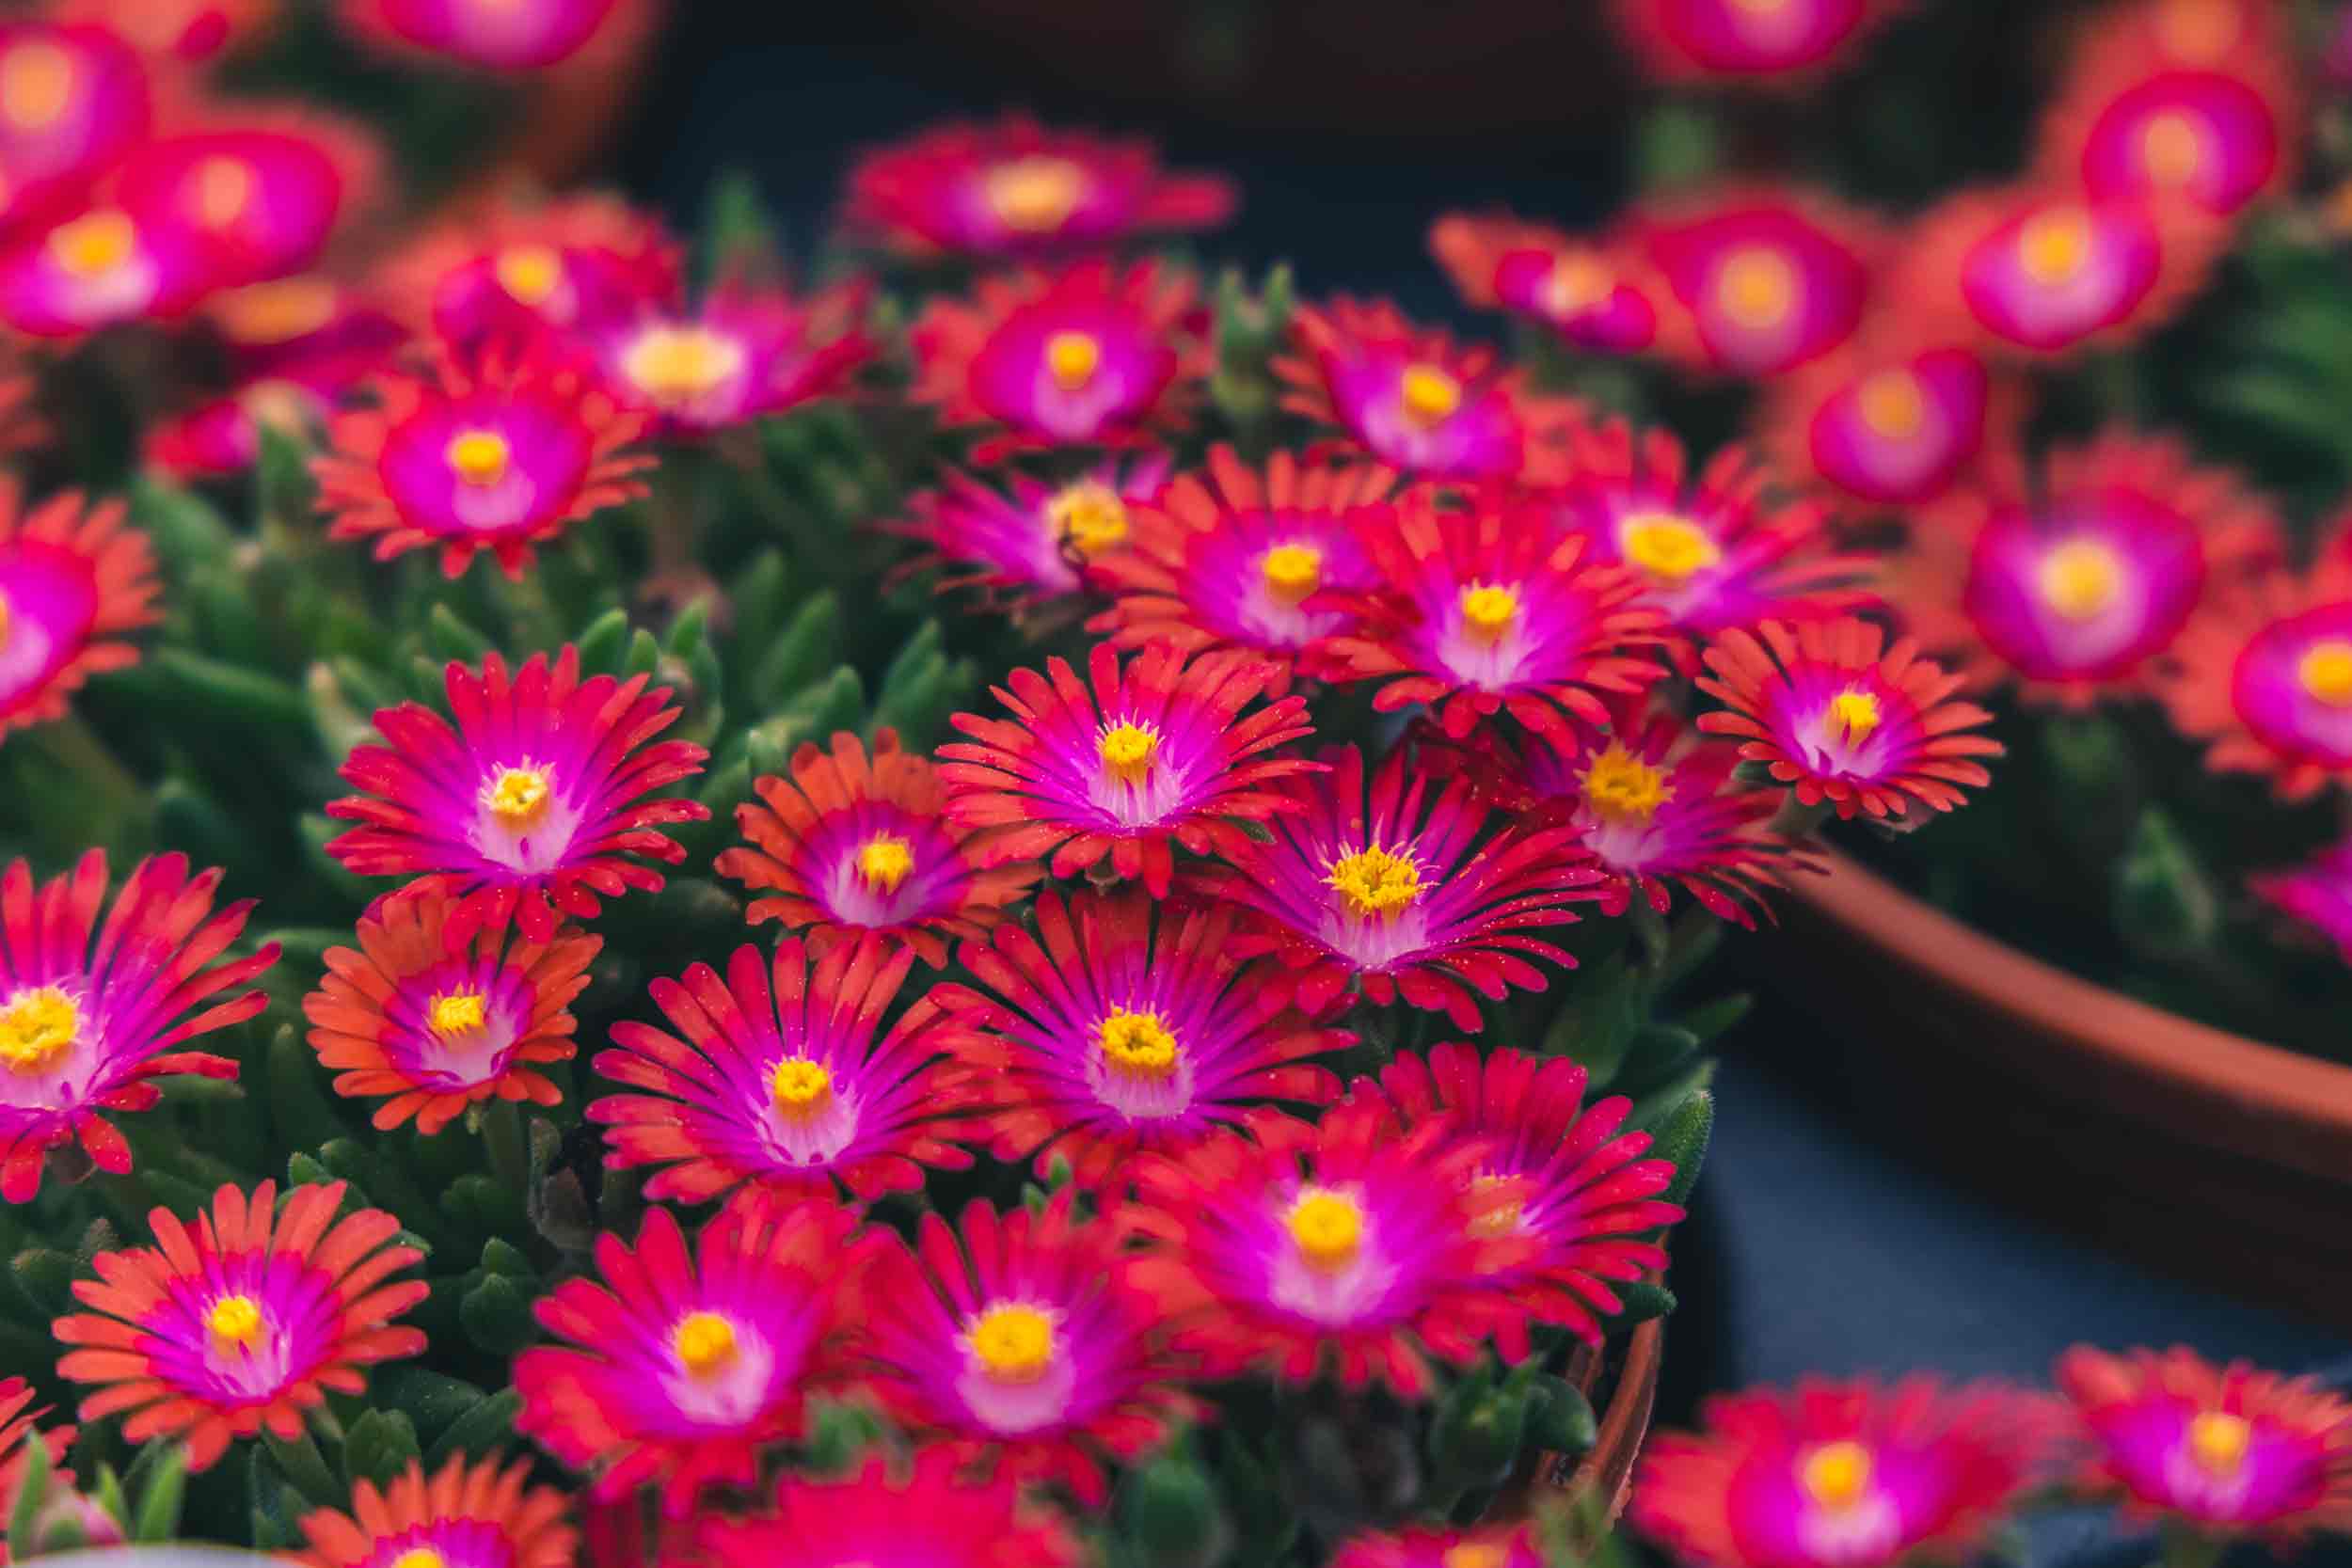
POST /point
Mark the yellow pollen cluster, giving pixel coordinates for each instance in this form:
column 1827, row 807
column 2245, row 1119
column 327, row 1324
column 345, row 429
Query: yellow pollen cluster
column 220, row 191
column 1376, row 883
column 1892, row 404
column 1328, row 1227
column 1474, row 1553
column 234, row 1322
column 37, row 1027
column 1489, row 612
column 705, row 1343
column 518, row 796
column 2325, row 672
column 277, row 311
column 457, row 1013
column 1014, row 1343
column 1129, row 750
column 674, row 365
column 1620, row 785
column 5, row 618
column 799, row 1087
column 1835, row 1476
column 2055, row 247
column 419, row 1556
column 1671, row 549
column 2171, row 149
column 35, row 85
column 2080, row 578
column 1139, row 1042
column 480, row 456
column 1072, row 359
column 1577, row 282
column 1034, row 195
column 1089, row 516
column 883, row 861
column 1852, row 715
column 1429, row 394
column 2217, row 1440
column 1757, row 286
column 1292, row 571
column 95, row 243
column 1500, row 1203
column 529, row 273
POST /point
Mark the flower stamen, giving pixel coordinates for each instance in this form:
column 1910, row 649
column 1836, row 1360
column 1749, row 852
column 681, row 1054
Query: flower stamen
column 1892, row 404
column 234, row 1322
column 799, row 1087
column 457, row 1013
column 37, row 1027
column 1620, row 785
column 480, row 456
column 1072, row 359
column 2055, row 247
column 2217, row 1440
column 1129, row 750
column 1015, row 1343
column 1089, row 516
column 1429, row 394
column 1835, row 1476
column 1327, row 1227
column 884, row 862
column 1139, row 1043
column 1376, row 883
column 1034, row 195
column 2324, row 671
column 1671, row 549
column 1489, row 612
column 675, row 365
column 1293, row 572
column 2080, row 578
column 95, row 243
column 1852, row 715
column 530, row 274
column 705, row 1343
column 518, row 796
column 1757, row 286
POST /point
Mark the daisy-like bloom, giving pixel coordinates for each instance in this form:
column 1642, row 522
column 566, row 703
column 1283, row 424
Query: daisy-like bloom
column 459, row 1515
column 494, row 35
column 1229, row 558
column 1106, row 1038
column 441, row 1031
column 1417, row 1547
column 683, row 1366
column 743, row 356
column 1091, row 356
column 1015, row 188
column 782, row 1077
column 73, row 579
column 1029, row 541
column 851, row 844
column 2263, row 674
column 1841, row 1475
column 1890, row 423
column 465, row 460
column 524, row 807
column 223, row 437
column 1491, row 608
column 1600, row 296
column 1417, row 399
column 1352, row 1246
column 1013, row 1338
column 1769, row 277
column 74, row 100
column 90, row 1011
column 1125, row 764
column 2318, row 893
column 2230, row 1449
column 244, row 1324
column 1767, row 43
column 930, row 1516
column 2079, row 585
column 1833, row 711
column 1711, row 551
column 572, row 267
column 259, row 198
column 1394, row 888
column 101, row 266
column 1558, row 1175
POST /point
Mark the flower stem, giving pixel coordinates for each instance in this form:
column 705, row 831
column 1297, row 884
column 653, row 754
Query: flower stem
column 303, row 1465
column 502, row 1136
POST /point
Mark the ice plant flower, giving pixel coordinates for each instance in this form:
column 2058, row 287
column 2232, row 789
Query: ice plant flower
column 1564, row 1177
column 75, row 99
column 1231, row 558
column 572, row 267
column 1013, row 1337
column 223, row 437
column 1091, row 356
column 259, row 200
column 463, row 460
column 1770, row 278
column 1352, row 1246
column 781, row 1077
column 1840, row 1475
column 1402, row 889
column 89, row 1011
column 1600, row 296
column 1488, row 609
column 441, row 1031
column 1844, row 718
column 2131, row 125
column 1713, row 550
column 1125, row 764
column 181, row 30
column 1029, row 541
column 1890, row 424
column 929, row 1515
column 2263, row 676
column 1417, row 401
column 2318, row 893
column 2230, row 1450
column 851, row 842
column 493, row 35
column 73, row 579
column 682, row 1366
column 1783, row 44
column 1016, row 189
column 1417, row 1547
column 98, row 267
column 522, row 808
column 246, row 1323
column 460, row 1514
column 743, row 355
column 1105, row 1037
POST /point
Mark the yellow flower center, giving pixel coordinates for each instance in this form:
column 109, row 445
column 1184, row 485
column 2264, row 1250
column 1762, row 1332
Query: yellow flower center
column 1292, row 571
column 1072, row 359
column 705, row 1343
column 1139, row 1042
column 518, row 796
column 95, row 243
column 1489, row 612
column 1577, row 282
column 279, row 405
column 1034, row 195
column 1836, row 1475
column 799, row 1087
column 1854, row 714
column 2055, row 247
column 1328, row 1227
column 1375, row 882
column 2325, row 672
column 480, row 456
column 276, row 312
column 1669, row 548
column 2217, row 1441
column 2199, row 31
column 1481, row 1553
column 37, row 1027
column 1429, row 394
column 4, row 620
column 2171, row 148
column 1129, row 750
column 1893, row 405
column 2080, row 578
column 673, row 365
column 884, row 862
column 1757, row 286
column 529, row 273
column 235, row 1322
column 1090, row 516
column 1618, row 784
column 1014, row 1343
column 419, row 1556
column 221, row 190
column 35, row 85
column 1501, row 1204
column 455, row 1013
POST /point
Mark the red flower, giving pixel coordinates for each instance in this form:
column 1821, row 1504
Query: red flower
column 1769, row 277
column 461, row 1514
column 73, row 579
column 1782, row 44
column 929, row 1514
column 1600, row 296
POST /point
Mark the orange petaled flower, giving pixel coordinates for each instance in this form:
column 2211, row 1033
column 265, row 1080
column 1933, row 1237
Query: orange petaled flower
column 462, row 1514
column 72, row 579
column 852, row 844
column 1767, row 276
column 1783, row 44
column 441, row 1030
column 519, row 271
column 1894, row 418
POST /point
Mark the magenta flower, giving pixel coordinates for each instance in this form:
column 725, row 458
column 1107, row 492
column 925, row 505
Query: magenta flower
column 2318, row 893
column 74, row 100
column 1029, row 541
column 1770, row 278
column 744, row 355
column 494, row 35
column 1890, row 424
column 1763, row 44
column 98, row 267
column 258, row 200
column 1595, row 295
